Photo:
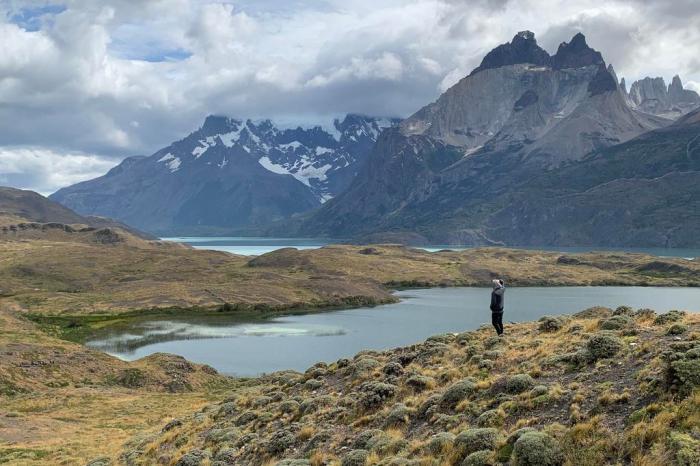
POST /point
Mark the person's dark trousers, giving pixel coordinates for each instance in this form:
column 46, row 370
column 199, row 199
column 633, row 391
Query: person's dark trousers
column 497, row 321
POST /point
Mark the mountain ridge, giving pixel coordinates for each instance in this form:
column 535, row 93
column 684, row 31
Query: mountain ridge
column 230, row 174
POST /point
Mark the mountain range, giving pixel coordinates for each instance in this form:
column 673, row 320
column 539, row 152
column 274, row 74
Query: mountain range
column 230, row 174
column 528, row 149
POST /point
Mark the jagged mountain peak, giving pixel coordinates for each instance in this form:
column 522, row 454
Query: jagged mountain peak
column 522, row 48
column 576, row 53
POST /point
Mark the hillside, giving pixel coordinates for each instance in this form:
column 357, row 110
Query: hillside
column 27, row 210
column 599, row 387
column 230, row 175
column 499, row 157
column 88, row 278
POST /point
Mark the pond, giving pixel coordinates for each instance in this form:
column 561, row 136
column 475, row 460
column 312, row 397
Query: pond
column 250, row 347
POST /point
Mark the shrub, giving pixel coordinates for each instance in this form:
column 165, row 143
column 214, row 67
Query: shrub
column 669, row 317
column 289, row 406
column 645, row 314
column 676, row 329
column 442, row 338
column 685, row 448
column 132, row 378
column 595, row 312
column 398, row 416
column 623, row 311
column 355, row 458
column 279, row 442
column 539, row 390
column 365, row 364
column 293, row 463
column 537, row 449
column 479, row 458
column 683, row 373
column 513, row 437
column 419, row 382
column 519, row 383
column 617, row 322
column 393, row 368
column 472, row 440
column 192, row 458
column 602, row 346
column 491, row 418
column 313, row 384
column 440, row 442
column 550, row 324
column 457, row 392
column 373, row 394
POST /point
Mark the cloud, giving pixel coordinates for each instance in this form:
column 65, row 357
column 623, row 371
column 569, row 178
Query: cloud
column 120, row 77
column 45, row 171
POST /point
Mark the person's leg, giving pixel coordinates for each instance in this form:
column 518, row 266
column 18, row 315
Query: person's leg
column 497, row 321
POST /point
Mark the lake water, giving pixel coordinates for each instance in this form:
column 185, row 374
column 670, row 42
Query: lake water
column 246, row 348
column 255, row 246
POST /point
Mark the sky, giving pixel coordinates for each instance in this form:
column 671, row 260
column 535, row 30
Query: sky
column 86, row 83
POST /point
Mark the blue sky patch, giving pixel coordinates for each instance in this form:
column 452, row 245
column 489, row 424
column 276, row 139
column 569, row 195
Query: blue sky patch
column 32, row 18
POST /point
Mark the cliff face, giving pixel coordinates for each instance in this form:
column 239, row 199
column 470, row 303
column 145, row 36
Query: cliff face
column 498, row 159
column 651, row 95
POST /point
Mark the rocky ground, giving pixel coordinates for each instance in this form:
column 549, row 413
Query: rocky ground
column 599, row 387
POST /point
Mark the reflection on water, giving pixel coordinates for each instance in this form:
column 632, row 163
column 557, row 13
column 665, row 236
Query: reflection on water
column 250, row 347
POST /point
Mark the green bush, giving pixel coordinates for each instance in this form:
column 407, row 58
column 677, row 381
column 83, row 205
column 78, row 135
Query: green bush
column 550, row 324
column 398, row 416
column 623, row 311
column 669, row 317
column 601, row 346
column 617, row 322
column 439, row 442
column 419, row 382
column 132, row 378
column 457, row 392
column 676, row 329
column 479, row 458
column 472, row 440
column 355, row 458
column 685, row 448
column 519, row 383
column 374, row 394
column 490, row 418
column 537, row 449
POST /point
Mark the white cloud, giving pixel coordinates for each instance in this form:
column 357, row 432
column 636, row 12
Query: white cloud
column 45, row 171
column 122, row 77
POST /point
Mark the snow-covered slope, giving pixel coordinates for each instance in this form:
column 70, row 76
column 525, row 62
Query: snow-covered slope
column 230, row 173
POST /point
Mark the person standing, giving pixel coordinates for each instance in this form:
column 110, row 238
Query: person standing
column 497, row 297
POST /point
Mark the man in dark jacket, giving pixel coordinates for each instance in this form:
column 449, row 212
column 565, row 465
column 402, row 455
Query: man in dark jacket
column 497, row 298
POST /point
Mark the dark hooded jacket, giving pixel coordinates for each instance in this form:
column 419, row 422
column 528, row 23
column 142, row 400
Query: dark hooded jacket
column 497, row 298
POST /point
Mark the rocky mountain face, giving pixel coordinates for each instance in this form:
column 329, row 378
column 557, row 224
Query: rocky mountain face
column 463, row 169
column 230, row 174
column 651, row 95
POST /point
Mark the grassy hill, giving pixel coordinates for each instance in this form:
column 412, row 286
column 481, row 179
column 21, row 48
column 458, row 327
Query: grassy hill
column 599, row 387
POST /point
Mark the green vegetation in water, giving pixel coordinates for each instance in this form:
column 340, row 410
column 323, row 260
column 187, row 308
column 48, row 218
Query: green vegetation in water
column 80, row 328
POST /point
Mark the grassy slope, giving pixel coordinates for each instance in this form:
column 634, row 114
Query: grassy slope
column 62, row 403
column 405, row 406
column 56, row 276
